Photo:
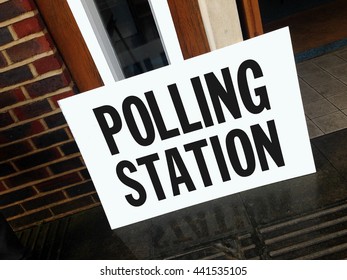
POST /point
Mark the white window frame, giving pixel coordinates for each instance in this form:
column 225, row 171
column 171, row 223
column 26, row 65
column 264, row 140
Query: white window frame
column 96, row 38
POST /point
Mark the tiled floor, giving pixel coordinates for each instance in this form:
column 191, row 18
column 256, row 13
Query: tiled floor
column 323, row 80
column 323, row 83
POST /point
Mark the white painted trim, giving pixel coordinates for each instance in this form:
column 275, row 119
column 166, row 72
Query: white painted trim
column 103, row 39
column 167, row 31
column 89, row 35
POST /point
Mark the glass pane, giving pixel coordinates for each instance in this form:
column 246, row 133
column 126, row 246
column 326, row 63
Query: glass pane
column 133, row 34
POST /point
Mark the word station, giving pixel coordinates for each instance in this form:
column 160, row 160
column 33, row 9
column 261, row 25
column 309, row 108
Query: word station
column 221, row 93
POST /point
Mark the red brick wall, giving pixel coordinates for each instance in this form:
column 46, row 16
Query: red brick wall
column 42, row 174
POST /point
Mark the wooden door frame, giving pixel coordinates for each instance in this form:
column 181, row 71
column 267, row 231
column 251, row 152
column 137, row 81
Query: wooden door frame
column 189, row 27
column 70, row 43
column 249, row 12
column 186, row 17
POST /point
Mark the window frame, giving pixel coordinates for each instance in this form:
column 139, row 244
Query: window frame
column 96, row 38
column 185, row 15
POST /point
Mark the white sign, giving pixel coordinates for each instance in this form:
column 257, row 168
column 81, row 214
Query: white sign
column 208, row 127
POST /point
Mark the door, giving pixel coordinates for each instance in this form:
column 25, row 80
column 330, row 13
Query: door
column 185, row 15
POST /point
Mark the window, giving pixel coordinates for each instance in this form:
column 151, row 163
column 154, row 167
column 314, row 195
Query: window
column 91, row 71
column 127, row 37
column 133, row 35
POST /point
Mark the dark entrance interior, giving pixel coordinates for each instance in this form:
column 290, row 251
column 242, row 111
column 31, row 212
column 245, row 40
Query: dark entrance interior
column 313, row 23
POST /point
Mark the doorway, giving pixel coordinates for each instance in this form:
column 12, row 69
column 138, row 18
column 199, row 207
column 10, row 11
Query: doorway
column 313, row 23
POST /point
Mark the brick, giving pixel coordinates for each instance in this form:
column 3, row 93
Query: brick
column 96, row 197
column 48, row 63
column 50, row 138
column 32, row 110
column 55, row 120
column 13, row 150
column 26, row 177
column 48, row 85
column 60, row 96
column 15, row 76
column 12, row 211
column 11, row 97
column 43, row 200
column 2, row 187
column 5, row 119
column 14, row 8
column 85, row 174
column 30, row 219
column 20, row 131
column 69, row 148
column 3, row 61
column 66, row 165
column 6, row 169
column 36, row 159
column 72, row 205
column 30, row 48
column 28, row 26
column 15, row 196
column 5, row 36
column 59, row 182
column 80, row 189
